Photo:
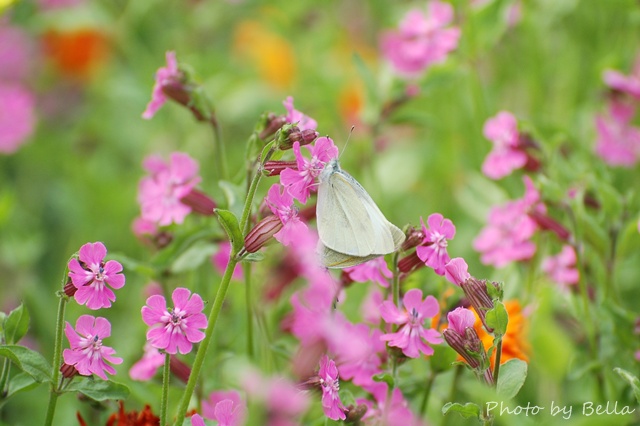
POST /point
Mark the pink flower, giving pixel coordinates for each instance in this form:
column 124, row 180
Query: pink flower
column 562, row 267
column 395, row 412
column 17, row 118
column 175, row 329
column 433, row 250
column 58, row 4
column 148, row 365
column 281, row 204
column 196, row 420
column 618, row 142
column 87, row 353
column 159, row 193
column 456, row 271
column 375, row 270
column 622, row 83
column 16, row 52
column 460, row 319
column 92, row 276
column 411, row 334
column 369, row 309
column 301, row 182
column 225, row 407
column 507, row 154
column 164, row 75
column 294, row 116
column 221, row 259
column 507, row 236
column 422, row 40
column 330, row 383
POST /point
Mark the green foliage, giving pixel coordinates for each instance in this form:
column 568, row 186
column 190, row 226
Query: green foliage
column 513, row 373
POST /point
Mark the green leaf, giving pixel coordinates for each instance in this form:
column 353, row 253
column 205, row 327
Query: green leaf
column 231, row 226
column 21, row 382
column 632, row 380
column 384, row 377
column 31, row 362
column 99, row 390
column 253, row 257
column 467, row 410
column 193, row 257
column 512, row 376
column 443, row 358
column 16, row 325
column 497, row 318
column 234, row 194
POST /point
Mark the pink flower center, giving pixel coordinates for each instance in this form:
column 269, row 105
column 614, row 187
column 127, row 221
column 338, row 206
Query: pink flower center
column 331, row 385
column 415, row 319
column 439, row 242
column 176, row 320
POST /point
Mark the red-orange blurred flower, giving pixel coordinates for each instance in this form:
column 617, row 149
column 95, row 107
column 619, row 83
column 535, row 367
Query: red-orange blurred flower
column 131, row 418
column 76, row 53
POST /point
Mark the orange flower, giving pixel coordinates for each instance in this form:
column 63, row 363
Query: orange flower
column 77, row 53
column 131, row 418
column 350, row 102
column 271, row 54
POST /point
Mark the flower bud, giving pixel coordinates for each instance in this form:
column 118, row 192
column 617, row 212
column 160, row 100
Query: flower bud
column 410, row 263
column 414, row 238
column 355, row 414
column 476, row 292
column 69, row 289
column 271, row 123
column 471, row 349
column 549, row 224
column 199, row 202
column 290, row 134
column 179, row 369
column 276, row 167
column 262, row 233
column 68, row 371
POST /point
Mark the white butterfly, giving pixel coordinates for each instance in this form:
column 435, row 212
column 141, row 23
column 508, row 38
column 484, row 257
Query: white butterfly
column 352, row 228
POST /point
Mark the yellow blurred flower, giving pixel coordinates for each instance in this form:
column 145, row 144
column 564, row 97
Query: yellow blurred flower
column 271, row 54
column 4, row 4
column 350, row 103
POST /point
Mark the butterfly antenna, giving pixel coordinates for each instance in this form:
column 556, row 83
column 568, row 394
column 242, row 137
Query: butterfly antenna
column 347, row 142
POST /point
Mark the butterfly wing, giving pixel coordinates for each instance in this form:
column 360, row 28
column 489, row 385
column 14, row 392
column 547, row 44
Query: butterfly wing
column 333, row 259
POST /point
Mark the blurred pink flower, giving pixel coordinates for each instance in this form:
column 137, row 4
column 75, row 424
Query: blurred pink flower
column 507, row 236
column 330, row 383
column 17, row 118
column 433, row 249
column 301, row 182
column 422, row 40
column 220, row 260
column 87, row 354
column 562, row 267
column 281, row 204
column 159, row 193
column 370, row 308
column 148, row 365
column 16, row 53
column 164, row 75
column 196, row 420
column 175, row 329
column 58, row 4
column 456, row 271
column 411, row 335
column 92, row 276
column 618, row 142
column 225, row 407
column 507, row 154
column 294, row 116
column 460, row 319
column 627, row 84
column 375, row 270
column 395, row 412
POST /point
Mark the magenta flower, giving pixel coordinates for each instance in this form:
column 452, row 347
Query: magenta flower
column 148, row 365
column 196, row 420
column 460, row 319
column 375, row 270
column 618, row 142
column 622, row 83
column 164, row 75
column 294, row 116
column 301, row 182
column 421, row 40
column 16, row 53
column 17, row 118
column 507, row 154
column 330, row 383
column 393, row 412
column 433, row 250
column 456, row 271
column 411, row 335
column 562, row 267
column 281, row 204
column 175, row 329
column 92, row 277
column 221, row 259
column 507, row 236
column 159, row 193
column 87, row 354
column 225, row 407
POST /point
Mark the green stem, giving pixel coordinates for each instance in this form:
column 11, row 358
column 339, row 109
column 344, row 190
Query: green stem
column 395, row 285
column 246, row 212
column 204, row 345
column 164, row 402
column 427, row 393
column 246, row 267
column 218, row 149
column 57, row 356
column 6, row 367
column 496, row 367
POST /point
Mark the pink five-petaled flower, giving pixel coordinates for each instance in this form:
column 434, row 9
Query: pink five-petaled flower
column 433, row 250
column 618, row 142
column 460, row 319
column 294, row 116
column 411, row 334
column 622, row 83
column 225, row 407
column 175, row 329
column 163, row 76
column 375, row 270
column 507, row 155
column 159, row 193
column 562, row 267
column 299, row 183
column 92, row 276
column 422, row 40
column 17, row 118
column 330, row 382
column 281, row 204
column 87, row 354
